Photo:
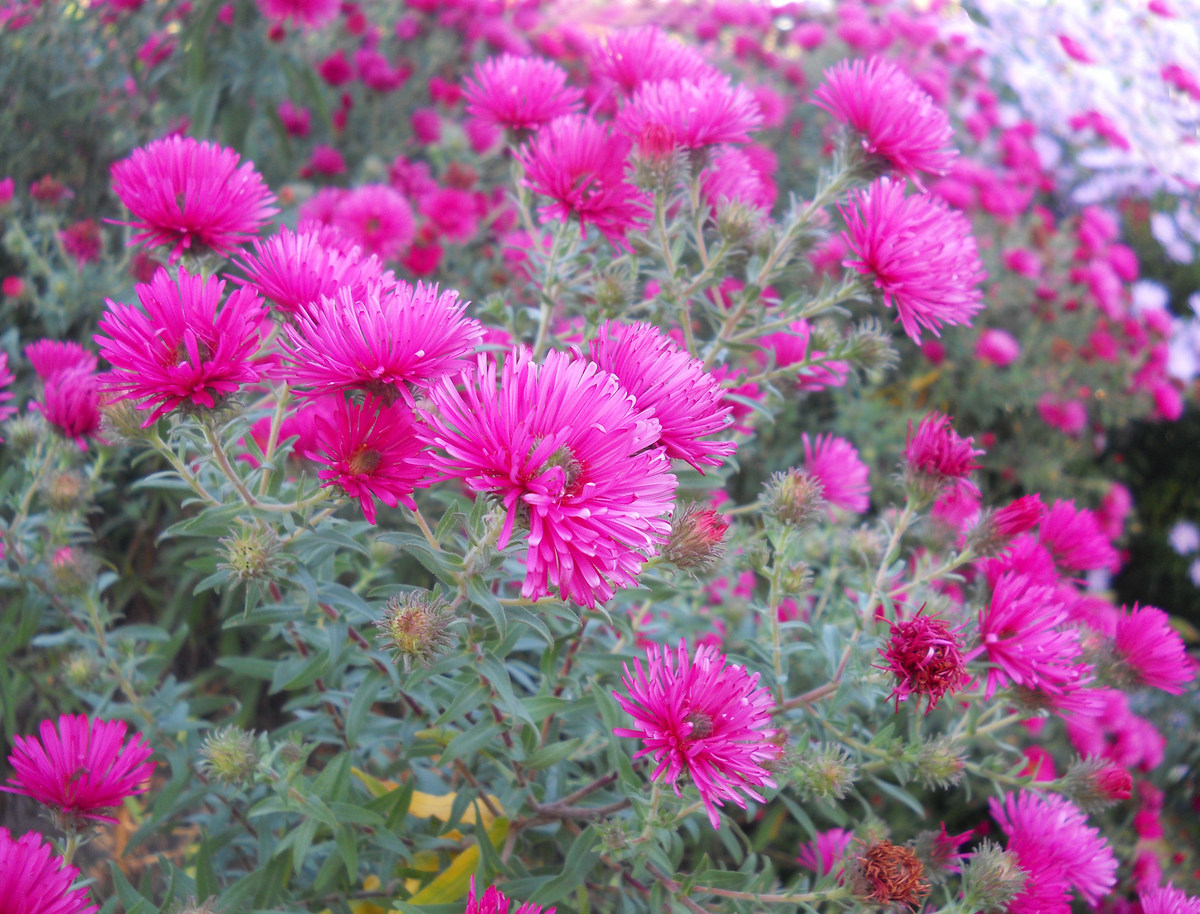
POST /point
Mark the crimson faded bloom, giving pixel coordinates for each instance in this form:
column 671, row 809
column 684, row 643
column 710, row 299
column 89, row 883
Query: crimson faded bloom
column 897, row 120
column 371, row 452
column 572, row 459
column 182, row 348
column 580, row 165
column 187, row 194
column 35, row 880
column 702, row 720
column 834, row 462
column 520, row 93
column 1151, row 651
column 681, row 395
column 81, row 767
column 925, row 656
column 689, row 114
column 493, row 901
column 936, row 454
column 385, row 341
column 920, row 255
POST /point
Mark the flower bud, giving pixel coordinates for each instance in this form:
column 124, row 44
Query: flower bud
column 1094, row 784
column 996, row 529
column 795, row 497
column 230, row 756
column 80, row 669
column 826, row 770
column 416, row 627
column 869, row 349
column 992, row 879
column 940, row 762
column 935, row 455
column 121, row 421
column 22, row 433
column 737, row 223
column 253, row 552
column 66, row 491
column 886, row 874
column 613, row 292
column 72, row 571
column 938, row 852
column 697, row 534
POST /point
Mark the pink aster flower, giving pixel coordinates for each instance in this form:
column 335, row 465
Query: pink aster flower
column 184, row 193
column 311, row 14
column 997, row 347
column 178, row 350
column 844, row 478
column 580, row 165
column 898, row 121
column 921, row 255
column 383, row 341
column 493, row 901
column 371, row 451
column 1073, row 536
column 703, row 719
column 80, row 768
column 1051, row 840
column 936, row 454
column 49, row 357
column 71, row 403
column 376, row 218
column 1152, row 650
column 294, row 269
column 690, row 113
column 6, row 378
column 792, row 347
column 35, row 880
column 631, row 57
column 1020, row 635
column 520, row 93
column 825, row 851
column 1168, row 900
column 924, row 655
column 732, row 176
column 672, row 385
column 571, row 457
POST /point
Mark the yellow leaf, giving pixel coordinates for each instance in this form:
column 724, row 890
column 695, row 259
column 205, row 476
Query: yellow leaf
column 428, row 805
column 453, row 882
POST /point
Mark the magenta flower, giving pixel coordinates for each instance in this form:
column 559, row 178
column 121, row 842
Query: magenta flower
column 844, row 478
column 371, row 451
column 936, row 454
column 493, row 901
column 1152, row 650
column 177, row 350
column 294, row 269
column 898, row 121
column 825, row 851
column 80, row 768
column 1168, row 900
column 311, row 14
column 6, row 378
column 49, row 357
column 520, row 93
column 577, row 163
column 184, row 193
column 924, row 655
column 376, row 218
column 702, row 719
column 689, row 114
column 632, row 57
column 1021, row 516
column 35, row 880
column 1052, row 842
column 1020, row 635
column 666, row 380
column 1073, row 536
column 571, row 457
column 71, row 403
column 791, row 347
column 921, row 255
column 382, row 341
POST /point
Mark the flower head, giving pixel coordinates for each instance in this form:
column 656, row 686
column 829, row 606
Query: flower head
column 577, row 163
column 520, row 93
column 924, row 655
column 1152, row 651
column 71, row 403
column 665, row 379
column 382, row 340
column 571, row 457
column 184, row 193
column 632, row 57
column 936, row 455
column 700, row 718
column 845, row 479
column 1168, row 900
column 825, row 851
column 49, row 357
column 697, row 535
column 376, row 218
column 922, row 255
column 6, row 378
column 493, row 901
column 898, row 121
column 35, row 880
column 887, row 874
column 80, row 768
column 177, row 350
column 690, row 113
column 311, row 14
column 371, row 451
column 1073, row 536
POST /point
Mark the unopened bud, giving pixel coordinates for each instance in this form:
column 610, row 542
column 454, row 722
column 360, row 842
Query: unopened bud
column 939, row 853
column 940, row 762
column 416, row 627
column 253, row 552
column 230, row 756
column 826, row 770
column 613, row 291
column 79, row 669
column 887, row 874
column 191, row 906
column 870, row 349
column 797, row 578
column 996, row 529
column 737, row 223
column 697, row 535
column 66, row 491
column 121, row 422
column 795, row 497
column 72, row 571
column 22, row 434
column 1094, row 784
column 991, row 880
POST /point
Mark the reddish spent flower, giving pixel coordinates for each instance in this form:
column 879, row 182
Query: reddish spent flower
column 570, row 455
column 936, row 455
column 311, row 14
column 382, row 341
column 577, row 162
column 80, row 768
column 1052, row 842
column 49, row 357
column 924, row 655
column 376, row 218
column 845, row 479
column 83, row 241
column 371, row 452
column 690, row 113
column 631, row 57
column 684, row 398
column 1020, row 634
column 35, row 880
column 520, row 93
column 184, row 194
column 701, row 719
column 71, row 403
column 1168, row 900
column 889, row 875
column 898, row 121
column 178, row 350
column 493, row 901
column 921, row 255
column 1074, row 538
column 825, row 851
column 1151, row 651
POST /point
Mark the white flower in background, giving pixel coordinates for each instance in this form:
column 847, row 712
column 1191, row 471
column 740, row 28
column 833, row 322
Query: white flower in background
column 1194, row 572
column 1184, row 537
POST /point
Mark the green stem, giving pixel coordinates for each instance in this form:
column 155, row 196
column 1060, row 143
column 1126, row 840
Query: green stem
column 273, row 439
column 214, row 441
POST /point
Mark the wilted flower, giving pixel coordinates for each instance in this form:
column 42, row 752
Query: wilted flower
column 924, row 655
column 887, row 874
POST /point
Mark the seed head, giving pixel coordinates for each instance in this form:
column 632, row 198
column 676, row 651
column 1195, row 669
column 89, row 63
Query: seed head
column 887, row 874
column 992, row 879
column 416, row 627
column 230, row 756
column 253, row 552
